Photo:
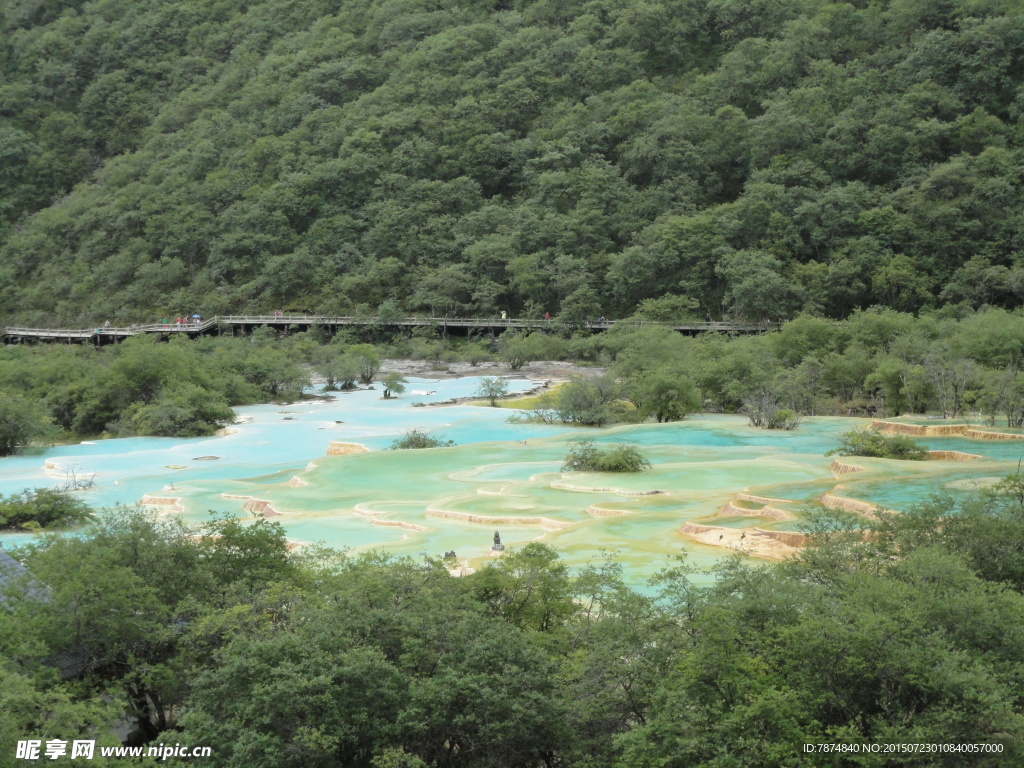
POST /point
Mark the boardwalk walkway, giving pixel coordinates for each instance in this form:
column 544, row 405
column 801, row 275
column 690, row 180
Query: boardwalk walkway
column 232, row 324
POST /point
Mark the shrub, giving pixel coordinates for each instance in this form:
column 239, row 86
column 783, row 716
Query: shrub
column 587, row 457
column 419, row 438
column 764, row 412
column 868, row 442
column 476, row 352
column 189, row 411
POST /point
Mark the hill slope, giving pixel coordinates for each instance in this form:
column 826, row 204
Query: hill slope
column 758, row 157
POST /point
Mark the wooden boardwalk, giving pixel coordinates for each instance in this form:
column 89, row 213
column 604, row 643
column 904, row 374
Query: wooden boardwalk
column 232, row 324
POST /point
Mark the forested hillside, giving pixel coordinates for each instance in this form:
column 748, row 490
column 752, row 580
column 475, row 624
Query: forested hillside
column 759, row 157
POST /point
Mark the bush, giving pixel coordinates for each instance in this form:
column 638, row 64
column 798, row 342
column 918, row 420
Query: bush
column 476, row 352
column 587, row 457
column 419, row 438
column 764, row 412
column 42, row 508
column 187, row 412
column 868, row 442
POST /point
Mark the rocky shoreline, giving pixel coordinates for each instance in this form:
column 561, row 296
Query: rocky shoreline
column 540, row 369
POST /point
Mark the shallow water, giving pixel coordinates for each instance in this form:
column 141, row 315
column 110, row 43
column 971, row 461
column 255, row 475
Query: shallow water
column 432, row 501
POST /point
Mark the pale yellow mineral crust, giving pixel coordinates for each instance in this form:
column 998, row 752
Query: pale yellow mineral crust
column 769, row 545
column 335, row 448
column 174, row 502
column 941, row 430
column 863, row 508
column 840, row 468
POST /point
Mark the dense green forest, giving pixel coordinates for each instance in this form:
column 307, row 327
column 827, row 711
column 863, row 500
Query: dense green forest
column 219, row 636
column 757, row 157
column 138, row 388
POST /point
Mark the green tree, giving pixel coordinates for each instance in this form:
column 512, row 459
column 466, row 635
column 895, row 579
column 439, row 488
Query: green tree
column 367, row 359
column 341, row 703
column 585, row 401
column 42, row 508
column 23, row 421
column 119, row 600
column 665, row 394
column 764, row 412
column 528, row 588
column 519, row 349
column 339, row 368
column 900, row 284
column 492, row 388
column 180, row 412
column 275, row 374
column 757, row 288
column 581, row 306
column 667, row 309
column 394, row 384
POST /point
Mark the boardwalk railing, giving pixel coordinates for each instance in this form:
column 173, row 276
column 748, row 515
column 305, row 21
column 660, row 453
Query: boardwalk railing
column 14, row 333
column 216, row 324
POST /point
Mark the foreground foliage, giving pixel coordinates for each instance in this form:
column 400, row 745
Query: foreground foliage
column 42, row 508
column 315, row 658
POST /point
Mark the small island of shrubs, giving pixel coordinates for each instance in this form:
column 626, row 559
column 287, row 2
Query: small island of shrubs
column 419, row 438
column 584, row 456
column 868, row 442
